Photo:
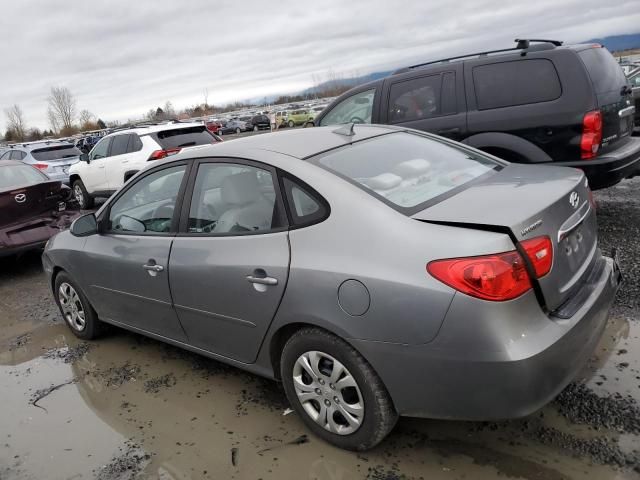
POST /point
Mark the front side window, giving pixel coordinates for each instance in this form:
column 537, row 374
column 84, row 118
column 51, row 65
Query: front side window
column 148, row 205
column 355, row 109
column 517, row 82
column 101, row 149
column 232, row 199
column 415, row 99
column 406, row 170
column 5, row 155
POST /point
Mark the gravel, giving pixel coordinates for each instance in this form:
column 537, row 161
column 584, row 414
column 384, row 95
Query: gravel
column 69, row 354
column 125, row 466
column 154, row 385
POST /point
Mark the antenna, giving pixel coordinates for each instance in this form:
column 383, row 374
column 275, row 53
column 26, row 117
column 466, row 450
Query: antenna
column 346, row 130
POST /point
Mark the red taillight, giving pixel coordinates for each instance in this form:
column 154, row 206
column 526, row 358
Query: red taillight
column 591, row 134
column 41, row 166
column 498, row 277
column 158, row 154
column 539, row 250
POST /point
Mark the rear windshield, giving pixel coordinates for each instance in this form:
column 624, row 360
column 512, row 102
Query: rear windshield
column 605, row 73
column 52, row 154
column 12, row 176
column 185, row 137
column 406, row 170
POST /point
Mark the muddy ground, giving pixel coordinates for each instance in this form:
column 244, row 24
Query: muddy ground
column 128, row 407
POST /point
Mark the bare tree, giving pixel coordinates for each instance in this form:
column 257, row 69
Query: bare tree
column 205, row 92
column 15, row 121
column 62, row 106
column 53, row 121
column 86, row 120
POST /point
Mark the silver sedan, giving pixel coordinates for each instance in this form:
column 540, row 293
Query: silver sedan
column 374, row 271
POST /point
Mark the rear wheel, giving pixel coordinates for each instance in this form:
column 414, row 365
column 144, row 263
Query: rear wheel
column 291, row 124
column 76, row 309
column 255, row 128
column 81, row 195
column 335, row 391
column 238, row 131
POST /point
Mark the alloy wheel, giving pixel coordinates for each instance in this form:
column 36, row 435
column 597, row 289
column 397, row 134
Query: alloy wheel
column 72, row 308
column 79, row 195
column 328, row 392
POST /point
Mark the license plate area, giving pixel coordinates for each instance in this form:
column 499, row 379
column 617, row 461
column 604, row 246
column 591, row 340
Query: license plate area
column 573, row 244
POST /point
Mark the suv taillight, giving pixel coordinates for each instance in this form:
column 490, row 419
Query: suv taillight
column 498, row 277
column 591, row 134
column 158, row 154
column 41, row 166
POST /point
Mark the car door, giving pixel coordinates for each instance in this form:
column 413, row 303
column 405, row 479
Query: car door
column 122, row 158
column 230, row 262
column 126, row 264
column 94, row 176
column 432, row 102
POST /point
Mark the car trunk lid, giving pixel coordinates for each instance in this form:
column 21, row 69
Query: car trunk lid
column 20, row 204
column 526, row 202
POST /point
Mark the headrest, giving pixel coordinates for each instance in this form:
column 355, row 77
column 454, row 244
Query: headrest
column 240, row 189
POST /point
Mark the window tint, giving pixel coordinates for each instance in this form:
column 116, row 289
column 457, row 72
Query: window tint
column 232, row 198
column 515, row 83
column 148, row 205
column 135, row 144
column 604, row 71
column 5, row 155
column 415, row 99
column 405, row 169
column 101, row 149
column 185, row 137
column 17, row 155
column 304, row 204
column 119, row 145
column 61, row 152
column 19, row 176
column 356, row 109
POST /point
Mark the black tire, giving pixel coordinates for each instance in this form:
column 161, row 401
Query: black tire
column 93, row 327
column 256, row 128
column 220, row 132
column 379, row 414
column 238, row 131
column 82, row 196
column 291, row 124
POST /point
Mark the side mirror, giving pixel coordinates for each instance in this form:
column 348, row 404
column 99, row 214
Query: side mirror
column 84, row 226
column 85, row 157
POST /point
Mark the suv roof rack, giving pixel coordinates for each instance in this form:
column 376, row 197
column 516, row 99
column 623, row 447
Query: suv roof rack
column 521, row 44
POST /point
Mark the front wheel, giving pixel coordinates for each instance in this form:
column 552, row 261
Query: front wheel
column 291, row 124
column 81, row 195
column 238, row 131
column 335, row 391
column 255, row 128
column 76, row 309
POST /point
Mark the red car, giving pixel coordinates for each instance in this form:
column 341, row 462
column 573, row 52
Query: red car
column 213, row 126
column 32, row 207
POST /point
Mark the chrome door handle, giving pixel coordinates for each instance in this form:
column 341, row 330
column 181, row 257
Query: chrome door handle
column 153, row 268
column 262, row 280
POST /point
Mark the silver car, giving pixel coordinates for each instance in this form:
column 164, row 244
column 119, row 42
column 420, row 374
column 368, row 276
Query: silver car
column 52, row 157
column 374, row 271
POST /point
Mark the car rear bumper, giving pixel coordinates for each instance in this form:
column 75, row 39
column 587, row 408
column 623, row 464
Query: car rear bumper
column 487, row 366
column 34, row 233
column 611, row 167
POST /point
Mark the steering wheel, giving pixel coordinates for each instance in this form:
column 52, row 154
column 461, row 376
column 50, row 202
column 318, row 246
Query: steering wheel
column 356, row 120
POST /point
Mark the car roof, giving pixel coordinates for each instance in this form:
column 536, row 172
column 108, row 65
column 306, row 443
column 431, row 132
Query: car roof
column 300, row 143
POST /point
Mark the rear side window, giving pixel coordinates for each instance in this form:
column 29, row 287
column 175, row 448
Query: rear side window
column 421, row 98
column 515, row 83
column 119, row 145
column 305, row 205
column 135, row 144
column 605, row 73
column 406, row 170
column 185, row 137
column 18, row 155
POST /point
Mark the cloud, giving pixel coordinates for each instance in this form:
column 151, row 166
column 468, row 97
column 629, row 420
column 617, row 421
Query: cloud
column 121, row 58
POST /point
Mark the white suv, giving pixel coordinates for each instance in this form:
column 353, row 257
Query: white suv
column 120, row 155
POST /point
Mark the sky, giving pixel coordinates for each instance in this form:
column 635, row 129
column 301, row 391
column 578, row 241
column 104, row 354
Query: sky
column 122, row 58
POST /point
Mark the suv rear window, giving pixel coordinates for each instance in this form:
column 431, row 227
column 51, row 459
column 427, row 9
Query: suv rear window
column 517, row 82
column 406, row 170
column 185, row 137
column 605, row 73
column 59, row 152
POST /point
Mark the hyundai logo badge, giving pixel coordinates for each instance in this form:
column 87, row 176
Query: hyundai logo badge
column 574, row 199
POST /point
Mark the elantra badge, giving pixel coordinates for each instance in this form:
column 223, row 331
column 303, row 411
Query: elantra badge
column 574, row 199
column 20, row 198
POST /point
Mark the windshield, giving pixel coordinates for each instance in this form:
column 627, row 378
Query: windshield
column 406, row 170
column 12, row 176
column 52, row 154
column 185, row 137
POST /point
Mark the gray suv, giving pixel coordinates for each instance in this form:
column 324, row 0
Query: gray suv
column 52, row 157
